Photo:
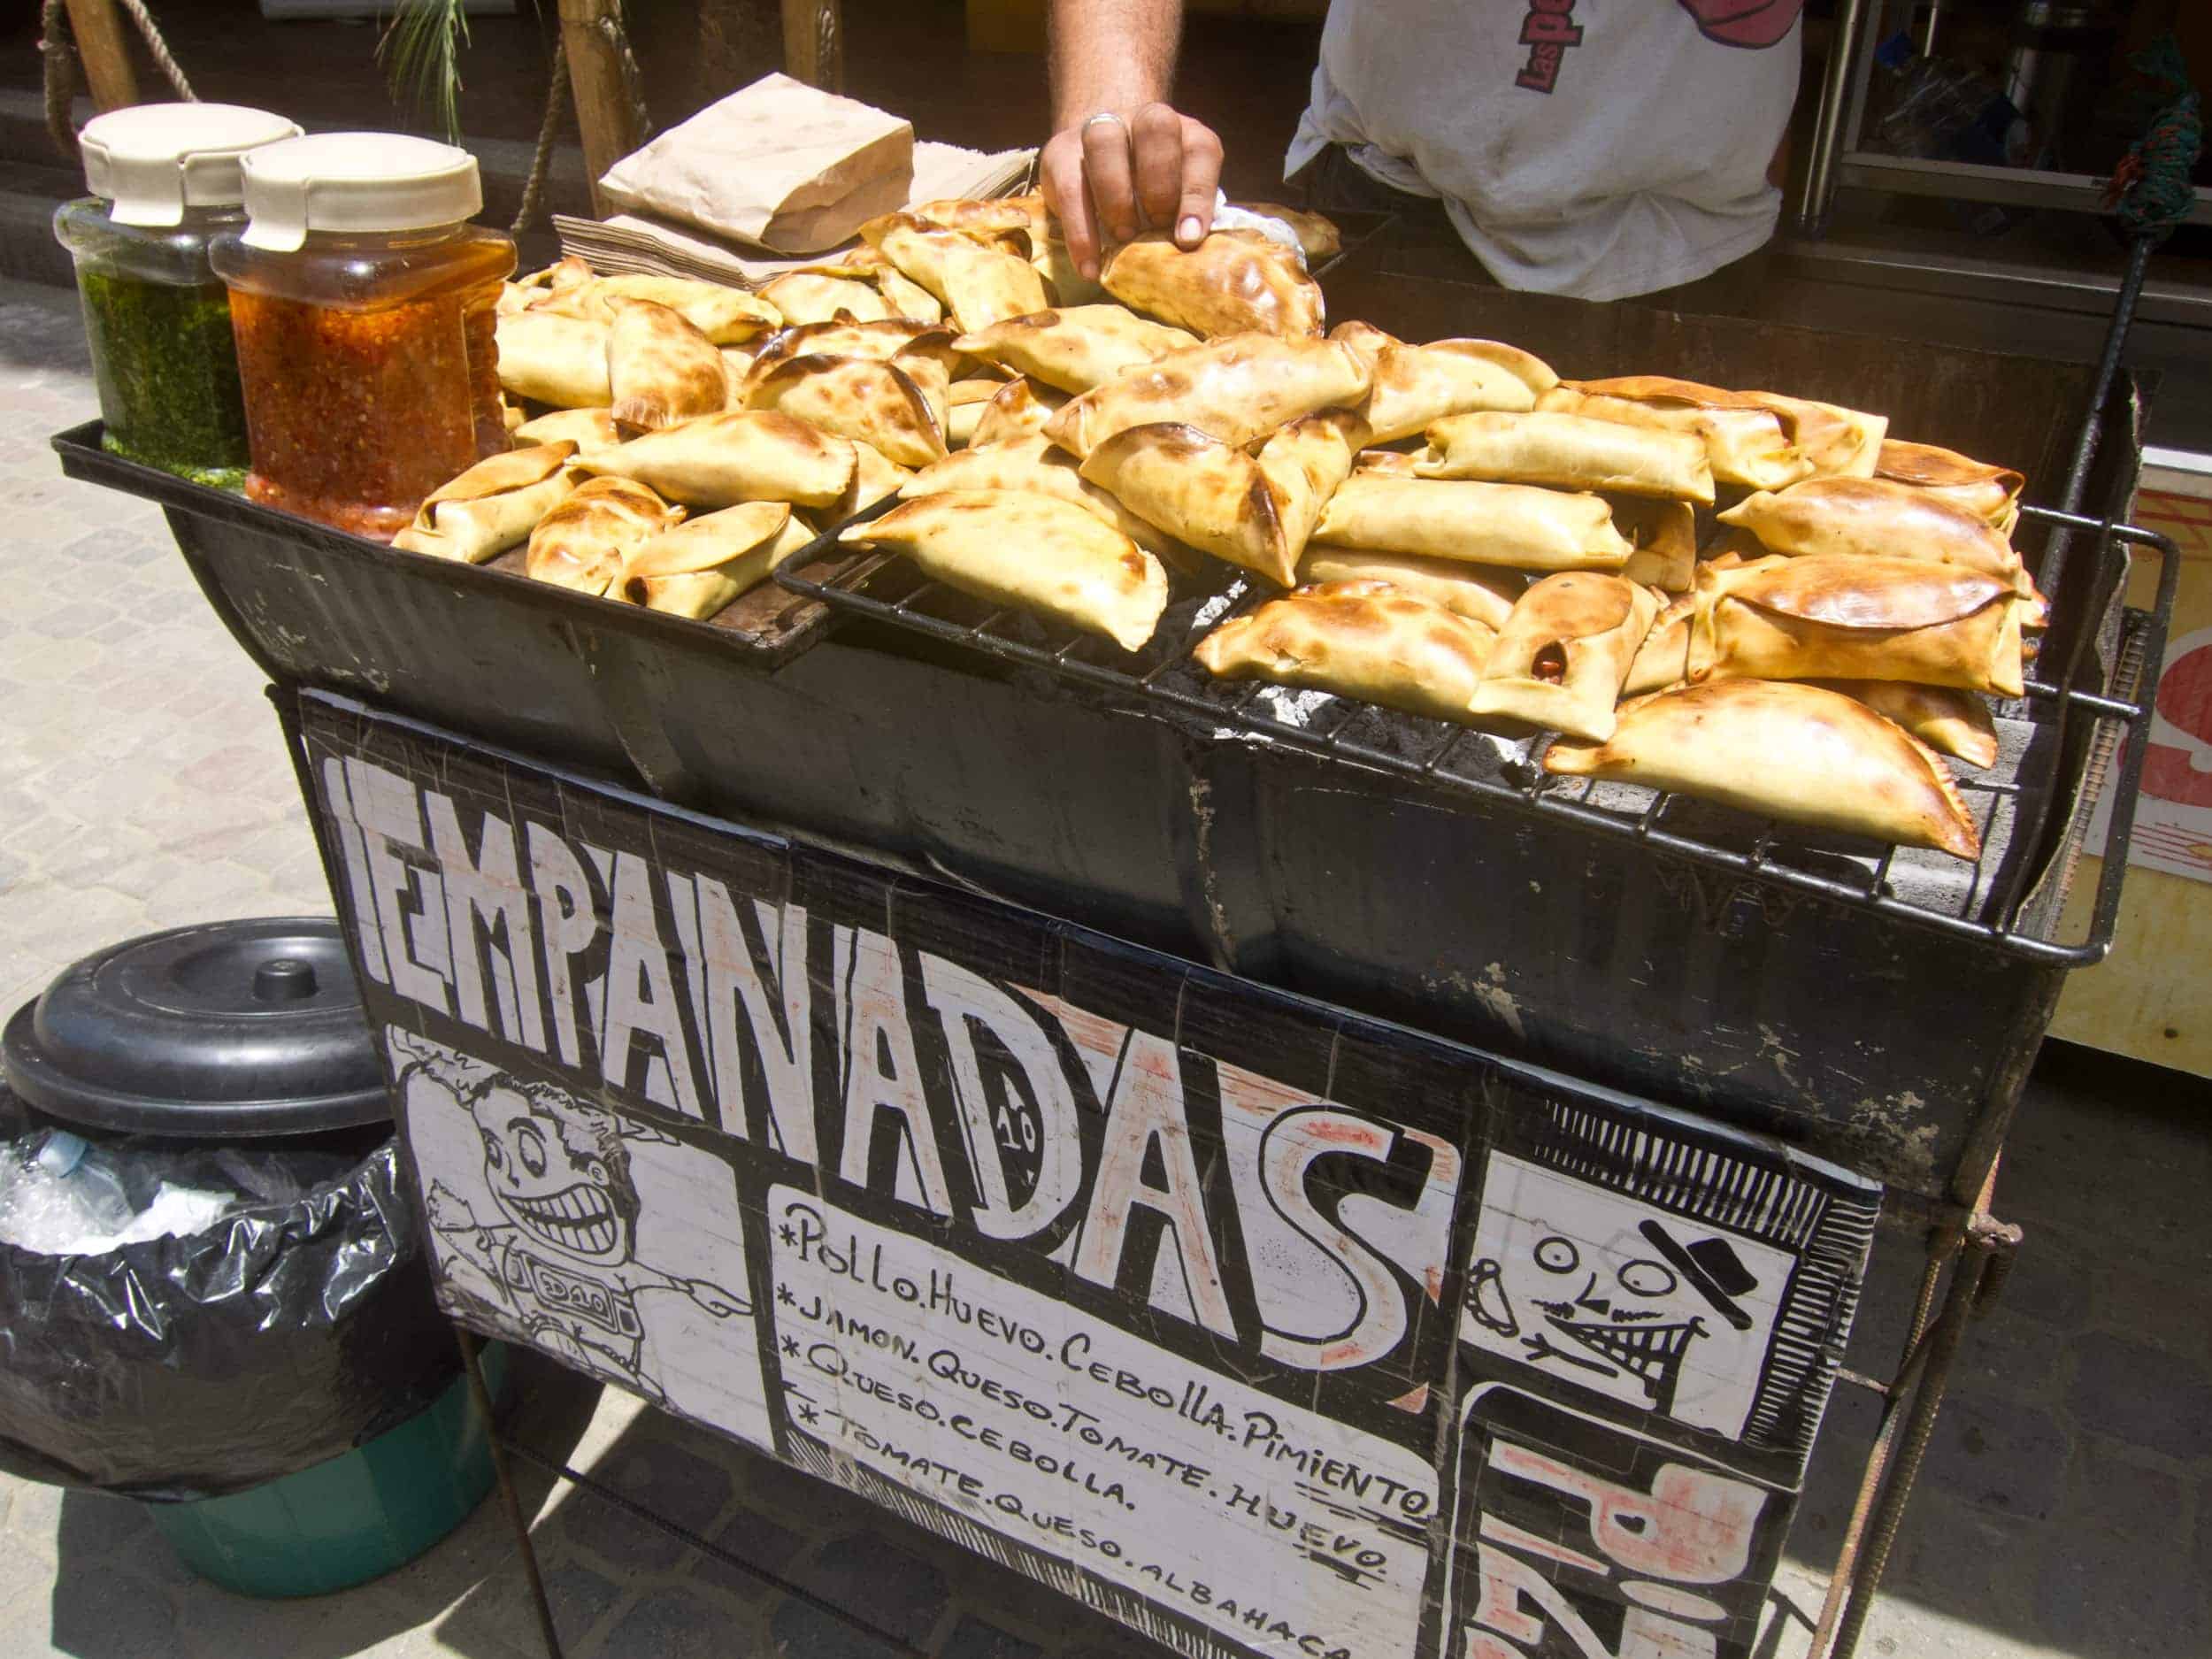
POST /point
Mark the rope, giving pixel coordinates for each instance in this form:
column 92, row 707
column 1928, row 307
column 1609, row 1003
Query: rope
column 61, row 75
column 159, row 47
column 541, row 164
column 2152, row 188
column 632, row 78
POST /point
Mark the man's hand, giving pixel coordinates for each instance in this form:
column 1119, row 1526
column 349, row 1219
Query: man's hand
column 1113, row 174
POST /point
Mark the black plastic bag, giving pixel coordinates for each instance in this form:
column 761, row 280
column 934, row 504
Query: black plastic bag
column 196, row 1366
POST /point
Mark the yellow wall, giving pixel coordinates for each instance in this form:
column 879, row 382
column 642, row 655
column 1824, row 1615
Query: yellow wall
column 2152, row 998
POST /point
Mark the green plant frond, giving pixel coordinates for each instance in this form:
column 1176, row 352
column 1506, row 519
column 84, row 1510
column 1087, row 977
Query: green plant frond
column 421, row 54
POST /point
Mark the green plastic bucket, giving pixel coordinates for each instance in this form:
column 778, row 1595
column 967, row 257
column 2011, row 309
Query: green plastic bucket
column 352, row 1518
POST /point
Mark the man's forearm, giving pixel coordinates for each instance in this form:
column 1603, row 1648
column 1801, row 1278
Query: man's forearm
column 1111, row 55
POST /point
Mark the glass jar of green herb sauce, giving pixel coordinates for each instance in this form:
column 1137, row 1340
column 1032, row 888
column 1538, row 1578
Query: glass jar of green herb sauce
column 165, row 182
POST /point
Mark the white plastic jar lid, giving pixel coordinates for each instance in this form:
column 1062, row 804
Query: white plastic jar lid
column 152, row 161
column 356, row 181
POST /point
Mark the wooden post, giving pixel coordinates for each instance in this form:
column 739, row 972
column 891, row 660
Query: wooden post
column 604, row 117
column 814, row 43
column 105, row 53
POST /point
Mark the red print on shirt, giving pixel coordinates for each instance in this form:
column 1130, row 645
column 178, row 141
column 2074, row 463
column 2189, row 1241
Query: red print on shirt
column 1753, row 23
column 1547, row 31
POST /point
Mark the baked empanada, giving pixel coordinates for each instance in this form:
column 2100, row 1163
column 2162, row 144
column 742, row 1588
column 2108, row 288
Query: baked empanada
column 737, row 456
column 1035, row 551
column 1396, row 462
column 1065, row 285
column 1362, row 640
column 1845, row 618
column 1234, row 282
column 1799, row 753
column 1364, row 338
column 1561, row 657
column 1020, row 408
column 1948, row 720
column 1076, row 347
column 493, row 505
column 584, row 538
column 875, row 403
column 1477, row 592
column 1255, row 512
column 660, row 369
column 1990, row 493
column 1571, row 452
column 1664, row 658
column 1318, row 238
column 965, row 403
column 1840, row 442
column 557, row 360
column 883, row 342
column 810, row 296
column 1034, row 463
column 1744, row 443
column 1664, row 536
column 875, row 477
column 700, row 566
column 1417, row 386
column 586, row 429
column 725, row 315
column 1515, row 525
column 979, row 215
column 1874, row 518
column 1235, row 389
column 980, row 282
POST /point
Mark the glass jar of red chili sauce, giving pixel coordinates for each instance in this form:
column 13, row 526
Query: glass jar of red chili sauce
column 364, row 304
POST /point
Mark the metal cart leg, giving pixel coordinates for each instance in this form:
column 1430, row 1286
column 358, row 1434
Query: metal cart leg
column 1977, row 1251
column 471, row 1355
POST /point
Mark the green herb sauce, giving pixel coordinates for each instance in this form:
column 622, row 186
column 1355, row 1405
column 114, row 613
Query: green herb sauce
column 168, row 371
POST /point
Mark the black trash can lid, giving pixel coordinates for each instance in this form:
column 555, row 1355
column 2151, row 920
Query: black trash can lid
column 218, row 1031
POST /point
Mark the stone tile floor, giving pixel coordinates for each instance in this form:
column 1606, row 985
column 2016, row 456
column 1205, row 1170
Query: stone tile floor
column 2067, row 1507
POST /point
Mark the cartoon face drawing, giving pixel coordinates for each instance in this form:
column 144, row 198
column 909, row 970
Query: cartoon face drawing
column 1596, row 1287
column 557, row 1169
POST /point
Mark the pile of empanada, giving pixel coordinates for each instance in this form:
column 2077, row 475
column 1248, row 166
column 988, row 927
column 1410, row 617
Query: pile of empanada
column 1755, row 598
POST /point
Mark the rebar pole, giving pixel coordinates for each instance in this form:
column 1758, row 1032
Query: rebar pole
column 509, row 1500
column 1819, row 188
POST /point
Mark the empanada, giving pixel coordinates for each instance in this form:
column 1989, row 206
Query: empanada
column 700, row 566
column 1362, row 640
column 1076, row 347
column 1561, row 657
column 1744, row 443
column 586, row 429
column 1034, row 463
column 1256, row 513
column 660, row 369
column 1065, row 285
column 1318, row 238
column 1417, row 386
column 1020, row 408
column 883, row 342
column 875, row 477
column 1664, row 658
column 1873, row 518
column 1234, row 282
column 1664, row 536
column 1397, row 463
column 1571, row 452
column 874, row 402
column 1477, row 592
column 984, row 216
column 965, row 403
column 1235, row 389
column 809, row 296
column 1514, row 525
column 725, row 315
column 1845, row 618
column 908, row 298
column 1802, row 753
column 584, row 538
column 1364, row 338
column 493, row 505
column 980, row 282
column 738, row 456
column 1840, row 442
column 1946, row 719
column 556, row 360
column 1035, row 551
column 1990, row 493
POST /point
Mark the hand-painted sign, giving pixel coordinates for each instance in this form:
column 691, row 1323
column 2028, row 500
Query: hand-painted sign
column 1268, row 1329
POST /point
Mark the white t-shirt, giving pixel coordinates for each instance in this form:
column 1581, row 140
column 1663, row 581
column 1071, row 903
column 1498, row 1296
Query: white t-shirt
column 1597, row 148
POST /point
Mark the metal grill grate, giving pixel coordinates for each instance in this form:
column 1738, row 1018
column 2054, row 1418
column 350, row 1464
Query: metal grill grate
column 2012, row 804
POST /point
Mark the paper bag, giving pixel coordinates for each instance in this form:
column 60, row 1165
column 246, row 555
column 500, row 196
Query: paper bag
column 780, row 164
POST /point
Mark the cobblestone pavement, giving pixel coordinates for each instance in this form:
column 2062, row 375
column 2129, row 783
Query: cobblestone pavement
column 2067, row 1507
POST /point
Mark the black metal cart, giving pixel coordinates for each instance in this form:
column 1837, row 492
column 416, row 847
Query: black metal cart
column 1872, row 1009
